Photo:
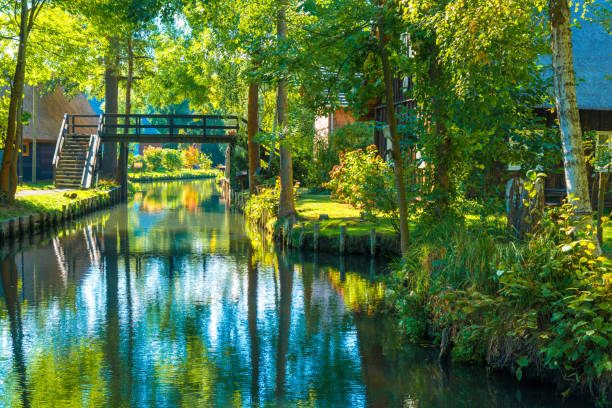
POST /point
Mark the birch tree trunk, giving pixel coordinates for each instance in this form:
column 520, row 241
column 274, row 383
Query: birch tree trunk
column 574, row 162
column 567, row 105
column 396, row 151
column 286, row 206
column 9, row 163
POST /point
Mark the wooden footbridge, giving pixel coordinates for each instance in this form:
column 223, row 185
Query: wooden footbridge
column 78, row 152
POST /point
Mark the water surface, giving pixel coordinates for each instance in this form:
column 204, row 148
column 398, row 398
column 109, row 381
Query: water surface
column 166, row 302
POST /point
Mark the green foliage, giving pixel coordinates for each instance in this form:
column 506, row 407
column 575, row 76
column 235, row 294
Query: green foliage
column 327, row 152
column 353, row 136
column 204, row 162
column 364, row 180
column 154, row 157
column 266, row 200
column 535, row 307
column 172, row 159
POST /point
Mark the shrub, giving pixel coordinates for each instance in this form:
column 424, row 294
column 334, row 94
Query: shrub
column 204, row 162
column 327, row 151
column 172, row 159
column 364, row 180
column 532, row 307
column 266, row 200
column 154, row 157
column 191, row 156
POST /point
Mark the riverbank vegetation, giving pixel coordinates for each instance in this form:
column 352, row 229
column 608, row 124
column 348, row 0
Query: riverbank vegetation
column 437, row 124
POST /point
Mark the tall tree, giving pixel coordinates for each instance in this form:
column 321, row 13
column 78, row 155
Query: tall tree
column 398, row 160
column 286, row 205
column 111, row 106
column 123, row 147
column 8, row 172
column 574, row 161
column 252, row 129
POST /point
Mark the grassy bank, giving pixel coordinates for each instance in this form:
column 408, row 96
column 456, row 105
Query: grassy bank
column 45, row 201
column 331, row 215
column 312, row 206
column 171, row 174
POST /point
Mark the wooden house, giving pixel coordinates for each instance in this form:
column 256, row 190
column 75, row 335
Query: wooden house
column 592, row 47
column 50, row 110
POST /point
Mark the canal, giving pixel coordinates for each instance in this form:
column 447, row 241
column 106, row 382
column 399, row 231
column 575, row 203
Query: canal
column 165, row 301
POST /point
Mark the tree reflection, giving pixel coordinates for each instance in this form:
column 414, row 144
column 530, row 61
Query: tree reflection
column 285, row 276
column 10, row 278
column 111, row 337
column 252, row 317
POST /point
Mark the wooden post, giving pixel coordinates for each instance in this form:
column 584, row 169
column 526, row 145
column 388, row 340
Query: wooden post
column 342, row 242
column 21, row 225
column 315, row 237
column 373, row 242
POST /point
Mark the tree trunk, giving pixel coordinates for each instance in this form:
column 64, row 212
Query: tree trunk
column 396, row 151
column 601, row 202
column 9, row 162
column 17, row 153
column 253, row 127
column 567, row 105
column 123, row 149
column 576, row 177
column 286, row 206
column 111, row 96
column 442, row 150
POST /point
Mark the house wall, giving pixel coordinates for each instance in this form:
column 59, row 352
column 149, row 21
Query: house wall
column 44, row 159
column 324, row 125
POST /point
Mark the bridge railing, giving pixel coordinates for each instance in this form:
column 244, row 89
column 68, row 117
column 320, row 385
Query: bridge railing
column 135, row 127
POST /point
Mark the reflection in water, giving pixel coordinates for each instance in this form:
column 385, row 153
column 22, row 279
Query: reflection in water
column 166, row 301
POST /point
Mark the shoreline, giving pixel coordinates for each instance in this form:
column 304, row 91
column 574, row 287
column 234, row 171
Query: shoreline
column 16, row 228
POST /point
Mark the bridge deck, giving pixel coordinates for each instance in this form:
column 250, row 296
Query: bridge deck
column 157, row 128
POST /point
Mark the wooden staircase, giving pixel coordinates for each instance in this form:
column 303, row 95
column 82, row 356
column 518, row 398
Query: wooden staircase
column 72, row 161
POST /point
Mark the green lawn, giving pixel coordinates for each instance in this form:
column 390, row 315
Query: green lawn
column 311, row 206
column 44, row 202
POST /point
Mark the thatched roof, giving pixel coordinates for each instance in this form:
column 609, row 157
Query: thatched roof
column 593, row 64
column 50, row 111
column 592, row 47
